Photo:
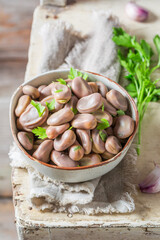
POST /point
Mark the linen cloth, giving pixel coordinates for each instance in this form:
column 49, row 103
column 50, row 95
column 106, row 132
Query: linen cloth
column 63, row 48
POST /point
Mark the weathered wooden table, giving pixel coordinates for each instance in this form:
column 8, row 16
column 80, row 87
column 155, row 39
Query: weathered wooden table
column 144, row 223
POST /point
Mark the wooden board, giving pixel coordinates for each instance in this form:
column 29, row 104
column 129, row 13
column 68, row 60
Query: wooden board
column 15, row 20
column 7, row 220
column 144, row 223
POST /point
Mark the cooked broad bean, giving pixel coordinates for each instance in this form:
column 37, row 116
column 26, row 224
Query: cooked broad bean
column 93, row 86
column 98, row 145
column 76, row 151
column 80, row 87
column 102, row 89
column 109, row 108
column 89, row 103
column 62, row 159
column 84, row 121
column 113, row 145
column 57, row 105
column 62, row 93
column 23, row 102
column 18, row 124
column 47, row 91
column 109, row 131
column 72, row 104
column 99, row 114
column 43, row 151
column 106, row 155
column 124, row 126
column 30, row 118
column 54, row 131
column 26, row 139
column 31, row 91
column 85, row 140
column 62, row 116
column 117, row 99
column 64, row 141
column 90, row 159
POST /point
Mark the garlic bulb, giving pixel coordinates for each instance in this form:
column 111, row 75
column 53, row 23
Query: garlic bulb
column 136, row 12
column 151, row 184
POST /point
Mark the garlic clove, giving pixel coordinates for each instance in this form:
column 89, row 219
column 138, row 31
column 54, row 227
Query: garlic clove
column 151, row 183
column 136, row 12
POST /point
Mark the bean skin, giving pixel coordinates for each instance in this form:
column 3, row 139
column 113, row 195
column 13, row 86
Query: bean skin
column 64, row 141
column 90, row 159
column 30, row 118
column 62, row 116
column 124, row 126
column 62, row 160
column 54, row 131
column 85, row 140
column 98, row 145
column 113, row 145
column 43, row 151
column 117, row 100
column 89, row 103
column 62, row 93
column 102, row 89
column 26, row 139
column 23, row 102
column 76, row 151
column 31, row 91
column 84, row 121
column 93, row 86
column 80, row 87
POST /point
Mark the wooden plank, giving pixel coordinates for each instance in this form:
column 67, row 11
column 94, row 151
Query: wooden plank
column 7, row 220
column 12, row 74
column 16, row 20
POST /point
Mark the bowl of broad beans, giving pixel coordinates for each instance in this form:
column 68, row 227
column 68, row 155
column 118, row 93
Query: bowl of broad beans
column 73, row 125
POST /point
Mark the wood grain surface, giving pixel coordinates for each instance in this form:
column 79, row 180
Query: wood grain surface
column 15, row 26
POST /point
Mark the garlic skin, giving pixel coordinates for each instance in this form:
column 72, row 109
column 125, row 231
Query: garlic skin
column 151, row 183
column 136, row 12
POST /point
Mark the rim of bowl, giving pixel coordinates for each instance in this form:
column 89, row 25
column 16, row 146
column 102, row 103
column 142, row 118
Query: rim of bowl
column 81, row 167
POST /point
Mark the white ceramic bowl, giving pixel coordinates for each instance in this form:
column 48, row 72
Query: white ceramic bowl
column 79, row 174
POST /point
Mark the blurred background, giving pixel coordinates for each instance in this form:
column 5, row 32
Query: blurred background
column 15, row 27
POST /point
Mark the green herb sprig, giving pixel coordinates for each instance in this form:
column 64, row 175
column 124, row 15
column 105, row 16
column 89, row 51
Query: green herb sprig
column 103, row 124
column 51, row 105
column 59, row 90
column 74, row 110
column 77, row 148
column 40, row 132
column 136, row 58
column 74, row 73
column 61, row 81
column 39, row 107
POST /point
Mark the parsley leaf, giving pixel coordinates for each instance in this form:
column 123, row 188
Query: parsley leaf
column 102, row 107
column 156, row 41
column 40, row 132
column 70, row 128
column 120, row 112
column 51, row 105
column 77, row 148
column 61, row 81
column 103, row 135
column 57, row 91
column 39, row 107
column 103, row 124
column 74, row 73
column 74, row 110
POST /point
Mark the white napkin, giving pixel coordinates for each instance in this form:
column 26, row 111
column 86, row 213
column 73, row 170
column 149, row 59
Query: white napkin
column 62, row 48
